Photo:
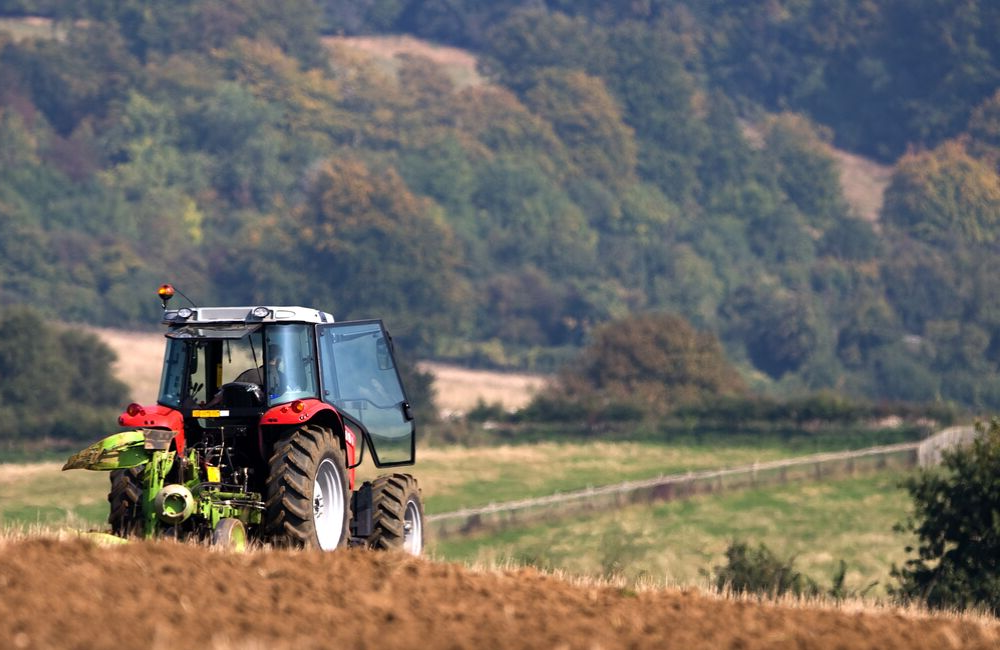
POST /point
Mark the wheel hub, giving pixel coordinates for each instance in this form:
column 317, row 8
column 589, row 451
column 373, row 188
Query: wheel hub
column 328, row 505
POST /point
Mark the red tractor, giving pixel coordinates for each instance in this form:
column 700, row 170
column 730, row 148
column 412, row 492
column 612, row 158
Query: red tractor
column 263, row 415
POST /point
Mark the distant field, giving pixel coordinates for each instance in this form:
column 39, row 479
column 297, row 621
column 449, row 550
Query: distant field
column 460, row 65
column 39, row 494
column 34, row 27
column 451, row 477
column 677, row 543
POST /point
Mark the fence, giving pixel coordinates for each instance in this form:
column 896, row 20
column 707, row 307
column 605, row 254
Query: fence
column 930, row 449
column 667, row 488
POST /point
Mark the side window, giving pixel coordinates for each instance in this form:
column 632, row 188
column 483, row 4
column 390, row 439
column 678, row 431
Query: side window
column 360, row 380
column 171, row 381
column 198, row 367
column 184, row 369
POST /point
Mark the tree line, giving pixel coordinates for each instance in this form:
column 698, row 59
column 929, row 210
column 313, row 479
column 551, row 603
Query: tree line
column 603, row 169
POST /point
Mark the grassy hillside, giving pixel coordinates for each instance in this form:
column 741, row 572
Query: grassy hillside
column 569, row 167
column 679, row 543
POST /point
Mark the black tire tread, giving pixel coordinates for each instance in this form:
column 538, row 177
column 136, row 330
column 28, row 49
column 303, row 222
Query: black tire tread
column 390, row 494
column 125, row 500
column 288, row 508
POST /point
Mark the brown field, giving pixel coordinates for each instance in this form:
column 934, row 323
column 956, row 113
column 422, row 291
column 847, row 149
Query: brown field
column 863, row 182
column 73, row 593
column 460, row 65
column 140, row 355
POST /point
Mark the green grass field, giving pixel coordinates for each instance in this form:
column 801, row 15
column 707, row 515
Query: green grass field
column 680, row 542
column 450, row 477
column 40, row 494
column 454, row 477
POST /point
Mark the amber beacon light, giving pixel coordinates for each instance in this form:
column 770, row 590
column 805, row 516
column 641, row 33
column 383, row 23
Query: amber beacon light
column 165, row 292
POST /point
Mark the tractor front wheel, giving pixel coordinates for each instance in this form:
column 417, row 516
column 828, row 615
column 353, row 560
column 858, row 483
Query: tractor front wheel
column 397, row 514
column 125, row 497
column 307, row 490
column 230, row 534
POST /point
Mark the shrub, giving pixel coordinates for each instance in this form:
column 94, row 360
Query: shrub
column 759, row 571
column 957, row 521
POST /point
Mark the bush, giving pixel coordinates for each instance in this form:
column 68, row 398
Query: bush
column 759, row 571
column 957, row 522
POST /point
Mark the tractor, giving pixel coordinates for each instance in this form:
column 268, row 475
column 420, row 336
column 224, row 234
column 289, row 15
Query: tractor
column 263, row 415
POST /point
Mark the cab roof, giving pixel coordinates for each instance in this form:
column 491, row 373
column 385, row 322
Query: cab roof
column 249, row 315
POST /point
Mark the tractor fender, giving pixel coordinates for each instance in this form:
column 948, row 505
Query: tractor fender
column 316, row 411
column 156, row 416
column 117, row 451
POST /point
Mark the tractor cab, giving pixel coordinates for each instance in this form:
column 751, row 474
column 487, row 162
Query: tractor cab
column 231, row 370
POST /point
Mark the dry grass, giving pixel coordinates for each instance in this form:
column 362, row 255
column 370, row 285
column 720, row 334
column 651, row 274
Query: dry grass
column 460, row 389
column 863, row 182
column 140, row 357
column 32, row 27
column 460, row 65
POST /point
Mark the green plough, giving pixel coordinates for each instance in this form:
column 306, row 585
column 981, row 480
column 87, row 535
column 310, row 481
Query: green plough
column 181, row 496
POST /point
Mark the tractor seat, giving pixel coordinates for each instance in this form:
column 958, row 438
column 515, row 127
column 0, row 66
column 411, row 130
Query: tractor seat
column 239, row 394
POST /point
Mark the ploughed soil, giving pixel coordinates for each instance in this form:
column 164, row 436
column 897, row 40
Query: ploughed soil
column 75, row 594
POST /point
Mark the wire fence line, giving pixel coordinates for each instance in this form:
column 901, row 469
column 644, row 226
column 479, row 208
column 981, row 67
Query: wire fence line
column 498, row 516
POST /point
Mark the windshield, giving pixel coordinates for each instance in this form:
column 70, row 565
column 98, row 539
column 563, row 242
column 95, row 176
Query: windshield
column 199, row 361
column 195, row 368
column 291, row 363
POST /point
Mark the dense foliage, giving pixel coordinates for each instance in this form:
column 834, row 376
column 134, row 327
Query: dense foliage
column 612, row 159
column 54, row 382
column 655, row 362
column 957, row 522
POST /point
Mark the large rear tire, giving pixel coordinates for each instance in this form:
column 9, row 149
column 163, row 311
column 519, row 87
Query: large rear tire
column 397, row 514
column 307, row 490
column 125, row 498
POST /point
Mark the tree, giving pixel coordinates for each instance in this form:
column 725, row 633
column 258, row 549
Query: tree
column 54, row 382
column 957, row 522
column 945, row 192
column 778, row 327
column 656, row 360
column 805, row 170
column 366, row 246
column 588, row 121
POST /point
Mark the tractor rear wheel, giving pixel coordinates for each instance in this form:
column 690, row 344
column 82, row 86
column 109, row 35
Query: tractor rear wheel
column 125, row 515
column 307, row 490
column 397, row 514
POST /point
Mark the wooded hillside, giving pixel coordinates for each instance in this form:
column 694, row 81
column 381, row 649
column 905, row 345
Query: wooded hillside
column 598, row 166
